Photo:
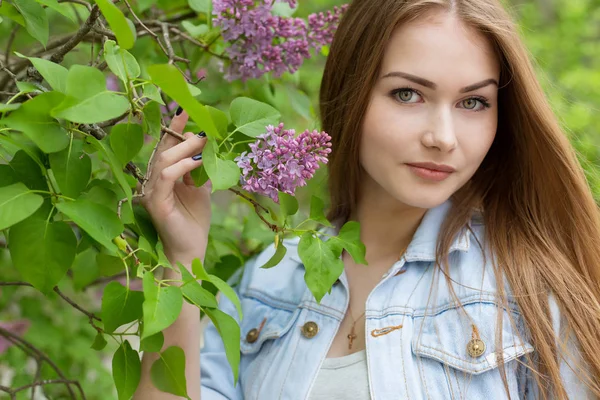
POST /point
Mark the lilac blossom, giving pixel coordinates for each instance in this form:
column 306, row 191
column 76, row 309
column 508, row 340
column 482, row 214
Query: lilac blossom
column 262, row 42
column 279, row 161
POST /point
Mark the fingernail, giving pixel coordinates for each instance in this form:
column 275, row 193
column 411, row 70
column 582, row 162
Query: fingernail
column 179, row 110
column 197, row 157
column 201, row 134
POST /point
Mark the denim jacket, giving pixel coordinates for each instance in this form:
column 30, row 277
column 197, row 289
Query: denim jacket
column 420, row 343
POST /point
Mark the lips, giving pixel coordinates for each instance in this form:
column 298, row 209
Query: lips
column 433, row 166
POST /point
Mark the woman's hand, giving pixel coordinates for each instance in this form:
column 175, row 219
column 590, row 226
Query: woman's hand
column 180, row 210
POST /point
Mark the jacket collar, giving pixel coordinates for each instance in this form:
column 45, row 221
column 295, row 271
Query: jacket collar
column 423, row 244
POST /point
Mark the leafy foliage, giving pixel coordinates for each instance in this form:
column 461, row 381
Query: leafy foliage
column 79, row 121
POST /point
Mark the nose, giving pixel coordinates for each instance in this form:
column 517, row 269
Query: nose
column 441, row 133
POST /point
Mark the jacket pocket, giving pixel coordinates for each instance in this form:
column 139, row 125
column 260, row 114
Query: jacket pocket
column 263, row 322
column 264, row 339
column 461, row 349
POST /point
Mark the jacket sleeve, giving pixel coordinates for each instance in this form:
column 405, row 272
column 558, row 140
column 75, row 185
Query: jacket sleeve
column 572, row 368
column 216, row 378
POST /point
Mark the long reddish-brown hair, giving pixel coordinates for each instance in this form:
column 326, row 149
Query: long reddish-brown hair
column 541, row 220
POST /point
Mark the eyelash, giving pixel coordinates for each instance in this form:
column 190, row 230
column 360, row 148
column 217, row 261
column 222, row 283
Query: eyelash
column 482, row 100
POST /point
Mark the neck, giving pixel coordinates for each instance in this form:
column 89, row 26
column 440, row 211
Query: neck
column 386, row 226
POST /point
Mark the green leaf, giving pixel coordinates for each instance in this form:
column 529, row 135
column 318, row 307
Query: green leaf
column 152, row 119
column 109, row 265
column 288, row 204
column 7, row 175
column 168, row 372
column 36, row 20
column 120, row 61
column 223, row 174
column 153, row 343
column 221, row 285
column 9, row 107
column 322, row 266
column 10, row 11
column 34, row 120
column 283, row 9
column 53, row 244
column 202, row 6
column 229, row 330
column 99, row 342
column 120, row 306
column 220, row 120
column 277, row 257
column 151, row 91
column 162, row 305
column 195, row 30
column 54, row 74
column 126, row 140
column 72, row 169
column 169, row 79
column 85, row 268
column 251, row 116
column 27, row 87
column 98, row 221
column 16, row 204
column 126, row 370
column 118, row 23
column 88, row 101
column 29, row 169
column 114, row 164
column 53, row 4
column 349, row 238
column 316, row 211
column 194, row 292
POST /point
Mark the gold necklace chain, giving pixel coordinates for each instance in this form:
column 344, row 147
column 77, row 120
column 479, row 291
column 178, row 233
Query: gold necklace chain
column 352, row 335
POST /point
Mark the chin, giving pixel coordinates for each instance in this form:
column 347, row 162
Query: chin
column 424, row 199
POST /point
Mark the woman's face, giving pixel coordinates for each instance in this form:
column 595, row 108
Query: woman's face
column 435, row 101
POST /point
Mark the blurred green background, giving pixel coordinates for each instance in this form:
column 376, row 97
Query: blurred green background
column 564, row 40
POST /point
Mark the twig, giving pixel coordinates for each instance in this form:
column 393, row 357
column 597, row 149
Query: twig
column 90, row 315
column 81, row 2
column 113, row 121
column 11, row 39
column 196, row 42
column 172, row 133
column 105, row 279
column 139, row 21
column 40, row 357
column 165, row 32
column 9, row 72
column 257, row 207
column 78, row 37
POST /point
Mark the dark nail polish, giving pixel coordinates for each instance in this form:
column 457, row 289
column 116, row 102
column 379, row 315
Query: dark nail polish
column 201, row 134
column 179, row 110
column 197, row 157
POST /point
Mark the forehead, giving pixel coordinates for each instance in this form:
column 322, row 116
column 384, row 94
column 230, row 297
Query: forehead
column 440, row 47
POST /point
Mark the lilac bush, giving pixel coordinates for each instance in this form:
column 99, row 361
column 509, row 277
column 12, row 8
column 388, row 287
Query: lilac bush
column 278, row 161
column 262, row 42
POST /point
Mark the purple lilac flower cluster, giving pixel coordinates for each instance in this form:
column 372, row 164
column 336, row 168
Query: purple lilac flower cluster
column 262, row 42
column 278, row 161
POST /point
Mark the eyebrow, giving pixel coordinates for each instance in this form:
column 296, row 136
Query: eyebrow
column 431, row 85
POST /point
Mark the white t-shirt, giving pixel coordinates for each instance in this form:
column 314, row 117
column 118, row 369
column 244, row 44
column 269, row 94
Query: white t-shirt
column 342, row 378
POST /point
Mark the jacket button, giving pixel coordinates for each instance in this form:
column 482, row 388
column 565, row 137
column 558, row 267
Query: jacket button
column 252, row 335
column 310, row 329
column 475, row 347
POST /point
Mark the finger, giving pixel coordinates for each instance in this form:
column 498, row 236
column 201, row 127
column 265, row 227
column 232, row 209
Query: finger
column 192, row 145
column 177, row 124
column 163, row 188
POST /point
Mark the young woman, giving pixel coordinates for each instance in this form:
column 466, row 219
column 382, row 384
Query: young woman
column 482, row 236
